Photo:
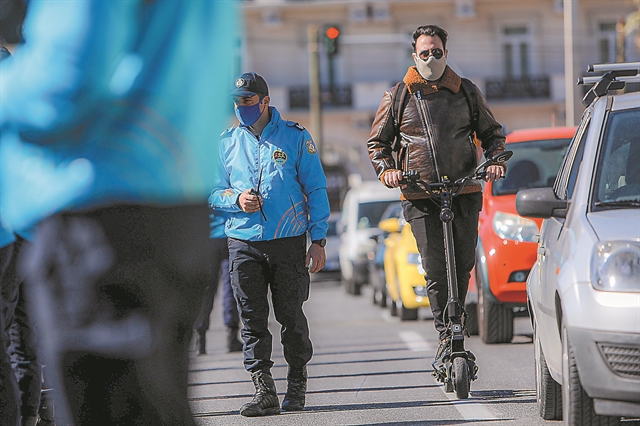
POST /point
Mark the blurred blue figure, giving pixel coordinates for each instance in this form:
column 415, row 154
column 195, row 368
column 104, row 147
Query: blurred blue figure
column 107, row 113
column 9, row 399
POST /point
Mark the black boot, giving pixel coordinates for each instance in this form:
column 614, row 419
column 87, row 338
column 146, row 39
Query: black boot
column 296, row 390
column 201, row 342
column 265, row 400
column 233, row 344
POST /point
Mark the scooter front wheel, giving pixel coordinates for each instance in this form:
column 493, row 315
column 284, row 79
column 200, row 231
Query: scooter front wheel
column 461, row 377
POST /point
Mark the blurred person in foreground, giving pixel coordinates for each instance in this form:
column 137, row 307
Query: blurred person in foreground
column 20, row 386
column 428, row 121
column 107, row 111
column 219, row 268
column 271, row 181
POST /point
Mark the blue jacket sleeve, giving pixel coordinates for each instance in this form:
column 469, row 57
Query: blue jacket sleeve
column 46, row 85
column 314, row 185
column 223, row 196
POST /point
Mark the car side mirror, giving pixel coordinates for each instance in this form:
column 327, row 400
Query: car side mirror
column 390, row 225
column 540, row 203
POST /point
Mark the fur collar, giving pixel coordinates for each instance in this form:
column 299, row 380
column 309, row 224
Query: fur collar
column 415, row 82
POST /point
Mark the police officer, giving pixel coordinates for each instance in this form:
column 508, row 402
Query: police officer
column 271, row 180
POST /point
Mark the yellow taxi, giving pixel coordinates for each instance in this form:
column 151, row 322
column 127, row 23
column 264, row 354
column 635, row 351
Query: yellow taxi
column 403, row 270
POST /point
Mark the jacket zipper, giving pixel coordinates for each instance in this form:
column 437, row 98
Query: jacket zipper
column 426, row 124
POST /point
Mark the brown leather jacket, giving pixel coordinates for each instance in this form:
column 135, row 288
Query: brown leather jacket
column 436, row 132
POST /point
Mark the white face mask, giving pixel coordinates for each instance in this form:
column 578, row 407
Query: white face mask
column 432, row 68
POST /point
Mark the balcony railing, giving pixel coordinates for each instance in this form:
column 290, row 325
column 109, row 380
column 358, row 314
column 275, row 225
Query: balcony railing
column 340, row 96
column 518, row 88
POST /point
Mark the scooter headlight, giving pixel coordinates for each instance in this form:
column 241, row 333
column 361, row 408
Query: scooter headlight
column 615, row 266
column 513, row 227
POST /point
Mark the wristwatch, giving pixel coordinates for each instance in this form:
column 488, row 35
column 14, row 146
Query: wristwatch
column 321, row 243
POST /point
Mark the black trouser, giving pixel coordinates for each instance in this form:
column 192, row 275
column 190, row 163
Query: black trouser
column 279, row 265
column 219, row 273
column 117, row 291
column 424, row 217
column 23, row 342
column 9, row 401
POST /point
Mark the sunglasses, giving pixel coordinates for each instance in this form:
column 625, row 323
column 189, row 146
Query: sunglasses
column 436, row 53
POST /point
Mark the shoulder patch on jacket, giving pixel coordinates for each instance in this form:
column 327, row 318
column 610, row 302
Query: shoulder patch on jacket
column 295, row 124
column 227, row 132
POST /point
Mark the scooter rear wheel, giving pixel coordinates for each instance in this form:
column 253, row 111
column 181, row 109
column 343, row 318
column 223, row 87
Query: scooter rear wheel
column 461, row 377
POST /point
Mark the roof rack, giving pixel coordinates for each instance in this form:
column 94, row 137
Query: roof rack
column 615, row 77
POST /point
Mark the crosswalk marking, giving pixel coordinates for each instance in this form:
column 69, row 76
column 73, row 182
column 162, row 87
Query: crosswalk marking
column 414, row 341
column 470, row 409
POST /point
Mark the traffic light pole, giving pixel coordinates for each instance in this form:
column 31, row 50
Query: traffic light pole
column 315, row 105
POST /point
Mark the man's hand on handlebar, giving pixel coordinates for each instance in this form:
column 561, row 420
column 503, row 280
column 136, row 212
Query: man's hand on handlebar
column 494, row 173
column 392, row 179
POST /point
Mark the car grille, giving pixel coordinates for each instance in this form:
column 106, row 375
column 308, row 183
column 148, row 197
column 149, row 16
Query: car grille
column 623, row 360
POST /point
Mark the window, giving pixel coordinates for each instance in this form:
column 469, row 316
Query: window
column 618, row 170
column 564, row 186
column 516, row 47
column 607, row 42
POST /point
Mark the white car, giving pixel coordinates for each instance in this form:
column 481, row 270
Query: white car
column 361, row 211
column 584, row 289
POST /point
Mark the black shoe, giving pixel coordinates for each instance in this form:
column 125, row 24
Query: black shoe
column 444, row 350
column 294, row 399
column 265, row 400
column 201, row 342
column 233, row 344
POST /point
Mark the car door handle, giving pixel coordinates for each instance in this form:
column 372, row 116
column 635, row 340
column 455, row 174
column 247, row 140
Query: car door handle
column 542, row 251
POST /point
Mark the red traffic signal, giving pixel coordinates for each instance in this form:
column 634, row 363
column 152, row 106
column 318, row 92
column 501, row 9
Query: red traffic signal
column 331, row 37
column 332, row 32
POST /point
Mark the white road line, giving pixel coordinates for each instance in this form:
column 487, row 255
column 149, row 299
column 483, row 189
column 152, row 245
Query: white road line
column 415, row 342
column 471, row 408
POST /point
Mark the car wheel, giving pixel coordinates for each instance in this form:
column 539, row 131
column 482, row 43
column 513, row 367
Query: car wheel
column 577, row 407
column 407, row 314
column 471, row 318
column 383, row 293
column 393, row 308
column 495, row 321
column 548, row 391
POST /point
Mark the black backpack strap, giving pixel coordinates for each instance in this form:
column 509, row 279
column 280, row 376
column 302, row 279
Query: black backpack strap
column 472, row 101
column 399, row 103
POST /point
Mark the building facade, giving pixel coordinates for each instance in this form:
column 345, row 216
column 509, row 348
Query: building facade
column 512, row 49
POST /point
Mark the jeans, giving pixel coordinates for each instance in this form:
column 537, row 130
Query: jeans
column 424, row 217
column 277, row 265
column 116, row 289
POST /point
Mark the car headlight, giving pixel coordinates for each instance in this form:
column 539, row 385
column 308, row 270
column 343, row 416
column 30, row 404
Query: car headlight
column 615, row 266
column 513, row 227
column 415, row 259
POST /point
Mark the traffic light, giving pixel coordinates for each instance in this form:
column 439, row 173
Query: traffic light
column 331, row 36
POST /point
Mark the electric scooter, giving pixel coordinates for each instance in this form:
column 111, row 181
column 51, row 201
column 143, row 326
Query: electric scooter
column 458, row 367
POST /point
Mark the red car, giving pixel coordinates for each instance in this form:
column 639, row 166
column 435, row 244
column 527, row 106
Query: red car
column 506, row 241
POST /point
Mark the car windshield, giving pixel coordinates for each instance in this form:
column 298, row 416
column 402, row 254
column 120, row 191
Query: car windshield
column 534, row 164
column 369, row 214
column 617, row 181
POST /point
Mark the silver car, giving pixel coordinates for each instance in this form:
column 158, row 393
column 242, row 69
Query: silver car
column 584, row 289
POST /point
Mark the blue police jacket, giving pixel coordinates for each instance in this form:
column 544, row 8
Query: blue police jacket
column 283, row 164
column 113, row 102
column 217, row 223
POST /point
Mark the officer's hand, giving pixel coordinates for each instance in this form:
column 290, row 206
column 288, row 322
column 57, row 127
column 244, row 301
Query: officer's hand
column 494, row 173
column 316, row 257
column 249, row 202
column 392, row 178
